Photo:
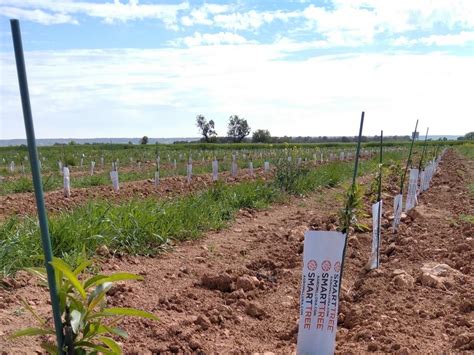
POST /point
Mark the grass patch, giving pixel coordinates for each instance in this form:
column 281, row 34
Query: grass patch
column 471, row 188
column 145, row 226
column 23, row 184
column 140, row 227
column 467, row 218
column 466, row 149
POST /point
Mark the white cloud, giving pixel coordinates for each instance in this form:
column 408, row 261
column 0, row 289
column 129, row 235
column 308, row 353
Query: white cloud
column 38, row 16
column 402, row 41
column 358, row 22
column 201, row 15
column 343, row 26
column 223, row 73
column 240, row 21
column 129, row 91
column 199, row 39
column 108, row 11
column 402, row 15
column 458, row 39
column 341, row 23
column 251, row 20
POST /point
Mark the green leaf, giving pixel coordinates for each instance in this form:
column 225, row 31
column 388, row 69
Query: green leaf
column 98, row 295
column 121, row 311
column 25, row 304
column 32, row 332
column 50, row 348
column 112, row 344
column 61, row 266
column 120, row 276
column 58, row 275
column 37, row 271
column 76, row 304
column 90, row 330
column 100, row 289
column 90, row 282
column 118, row 331
column 62, row 299
column 90, row 345
column 82, row 267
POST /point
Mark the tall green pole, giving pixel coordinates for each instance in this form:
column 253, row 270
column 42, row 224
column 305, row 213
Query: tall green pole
column 404, row 175
column 33, row 154
column 356, row 164
column 424, row 149
column 354, row 176
column 436, row 151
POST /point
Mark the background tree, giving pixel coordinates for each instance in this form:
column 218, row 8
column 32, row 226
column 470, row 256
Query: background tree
column 144, row 140
column 238, row 128
column 261, row 136
column 206, row 128
column 469, row 136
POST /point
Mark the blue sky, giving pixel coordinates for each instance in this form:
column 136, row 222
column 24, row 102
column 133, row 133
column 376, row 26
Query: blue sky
column 128, row 68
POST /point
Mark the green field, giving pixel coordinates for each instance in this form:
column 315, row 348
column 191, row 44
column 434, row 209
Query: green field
column 147, row 226
column 138, row 162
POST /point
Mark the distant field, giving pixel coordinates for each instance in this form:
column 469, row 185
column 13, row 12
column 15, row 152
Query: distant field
column 139, row 162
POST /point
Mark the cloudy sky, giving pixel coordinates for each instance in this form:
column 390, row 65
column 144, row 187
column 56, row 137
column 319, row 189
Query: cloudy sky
column 128, row 68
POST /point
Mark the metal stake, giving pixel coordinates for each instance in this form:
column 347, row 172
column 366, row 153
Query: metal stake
column 35, row 171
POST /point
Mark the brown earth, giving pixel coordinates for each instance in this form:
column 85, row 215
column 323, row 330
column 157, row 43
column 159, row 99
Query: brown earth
column 237, row 290
column 24, row 203
column 77, row 171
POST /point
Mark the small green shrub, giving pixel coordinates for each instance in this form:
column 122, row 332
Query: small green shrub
column 88, row 323
column 23, row 184
column 353, row 210
column 289, row 172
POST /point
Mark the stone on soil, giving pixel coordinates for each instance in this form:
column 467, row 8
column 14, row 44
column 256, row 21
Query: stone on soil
column 217, row 282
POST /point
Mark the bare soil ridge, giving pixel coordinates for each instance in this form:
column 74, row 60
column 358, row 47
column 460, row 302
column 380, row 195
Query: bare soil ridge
column 236, row 291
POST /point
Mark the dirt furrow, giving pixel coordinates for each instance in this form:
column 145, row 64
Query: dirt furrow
column 237, row 290
column 24, row 203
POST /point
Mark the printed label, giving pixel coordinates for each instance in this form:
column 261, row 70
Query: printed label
column 320, row 292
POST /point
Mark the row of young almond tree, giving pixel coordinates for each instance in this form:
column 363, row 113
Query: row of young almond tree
column 324, row 252
column 14, row 162
column 246, row 159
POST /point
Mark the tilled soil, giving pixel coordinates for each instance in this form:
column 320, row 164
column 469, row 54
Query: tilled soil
column 147, row 167
column 237, row 290
column 24, row 203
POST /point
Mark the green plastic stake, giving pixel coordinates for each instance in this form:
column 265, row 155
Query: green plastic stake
column 424, row 150
column 356, row 164
column 35, row 171
column 404, row 175
column 354, row 177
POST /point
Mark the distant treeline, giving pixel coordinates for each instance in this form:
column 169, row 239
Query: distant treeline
column 186, row 147
column 300, row 139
